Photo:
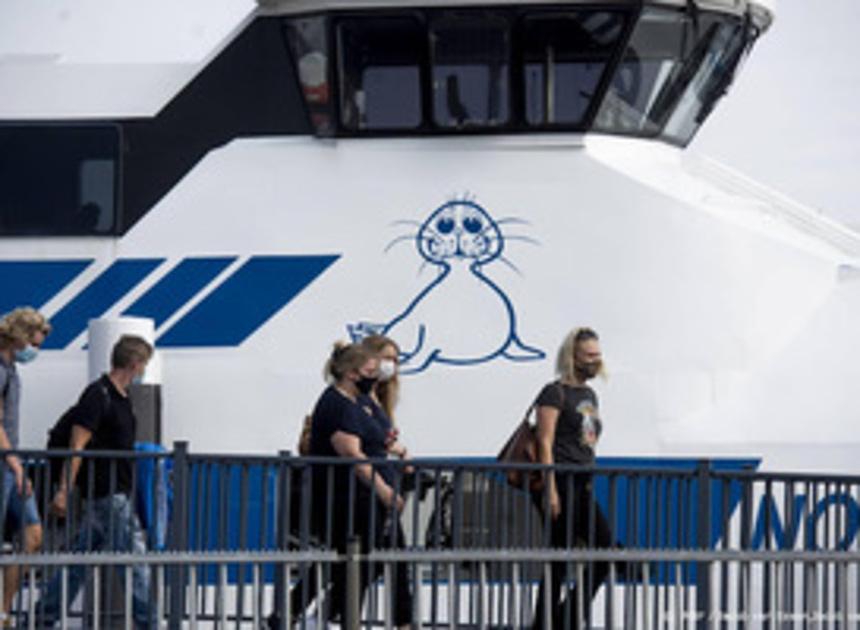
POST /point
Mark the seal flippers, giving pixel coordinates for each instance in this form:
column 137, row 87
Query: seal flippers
column 516, row 350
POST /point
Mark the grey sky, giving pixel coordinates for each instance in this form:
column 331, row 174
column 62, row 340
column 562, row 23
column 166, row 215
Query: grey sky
column 791, row 120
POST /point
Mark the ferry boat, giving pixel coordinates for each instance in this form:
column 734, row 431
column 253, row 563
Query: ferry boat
column 473, row 179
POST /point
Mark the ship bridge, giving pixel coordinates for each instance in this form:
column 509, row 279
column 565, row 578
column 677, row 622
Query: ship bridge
column 115, row 123
column 643, row 69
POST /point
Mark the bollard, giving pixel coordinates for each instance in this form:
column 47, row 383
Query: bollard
column 353, row 585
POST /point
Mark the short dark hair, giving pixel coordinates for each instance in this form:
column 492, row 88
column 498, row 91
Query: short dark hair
column 128, row 349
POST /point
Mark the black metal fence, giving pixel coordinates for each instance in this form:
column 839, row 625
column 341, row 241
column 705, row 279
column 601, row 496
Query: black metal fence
column 233, row 539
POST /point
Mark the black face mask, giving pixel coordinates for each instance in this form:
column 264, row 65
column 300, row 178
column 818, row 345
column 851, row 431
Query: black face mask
column 586, row 371
column 365, row 384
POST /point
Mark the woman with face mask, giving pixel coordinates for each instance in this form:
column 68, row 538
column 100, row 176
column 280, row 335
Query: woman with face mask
column 386, row 392
column 343, row 424
column 22, row 332
column 568, row 429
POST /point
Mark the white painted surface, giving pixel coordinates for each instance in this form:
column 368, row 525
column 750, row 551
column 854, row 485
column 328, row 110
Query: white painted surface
column 704, row 295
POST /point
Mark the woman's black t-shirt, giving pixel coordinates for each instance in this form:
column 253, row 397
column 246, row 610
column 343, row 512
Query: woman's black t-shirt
column 376, row 430
column 579, row 425
column 333, row 412
column 363, row 418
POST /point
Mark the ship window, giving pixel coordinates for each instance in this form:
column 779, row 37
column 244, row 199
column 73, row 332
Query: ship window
column 308, row 42
column 58, row 180
column 649, row 65
column 470, row 54
column 380, row 72
column 670, row 74
column 565, row 57
column 709, row 77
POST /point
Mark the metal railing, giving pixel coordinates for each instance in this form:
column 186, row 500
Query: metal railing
column 670, row 544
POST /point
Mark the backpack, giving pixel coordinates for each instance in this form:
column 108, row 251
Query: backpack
column 60, row 435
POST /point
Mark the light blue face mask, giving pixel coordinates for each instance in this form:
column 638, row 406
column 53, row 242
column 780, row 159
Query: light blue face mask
column 137, row 380
column 27, row 354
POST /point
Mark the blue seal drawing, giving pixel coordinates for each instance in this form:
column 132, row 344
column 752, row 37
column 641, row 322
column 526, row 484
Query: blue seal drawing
column 462, row 317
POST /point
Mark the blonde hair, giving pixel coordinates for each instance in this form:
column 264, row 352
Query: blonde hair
column 387, row 392
column 344, row 358
column 565, row 363
column 20, row 325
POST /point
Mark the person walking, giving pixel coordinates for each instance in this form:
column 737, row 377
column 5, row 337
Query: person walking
column 22, row 333
column 568, row 429
column 343, row 426
column 104, row 420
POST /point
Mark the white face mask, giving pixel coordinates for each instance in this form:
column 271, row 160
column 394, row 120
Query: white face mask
column 387, row 369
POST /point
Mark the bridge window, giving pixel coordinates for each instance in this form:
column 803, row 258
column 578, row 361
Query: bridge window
column 566, row 55
column 308, row 39
column 380, row 72
column 709, row 75
column 554, row 67
column 470, row 53
column 670, row 53
column 58, row 180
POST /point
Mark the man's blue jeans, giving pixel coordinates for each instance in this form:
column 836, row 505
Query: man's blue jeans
column 109, row 524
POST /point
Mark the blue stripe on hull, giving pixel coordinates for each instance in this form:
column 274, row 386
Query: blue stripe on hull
column 102, row 293
column 34, row 282
column 181, row 284
column 245, row 301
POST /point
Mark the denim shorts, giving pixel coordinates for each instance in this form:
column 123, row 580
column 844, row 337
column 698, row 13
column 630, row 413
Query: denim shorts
column 18, row 511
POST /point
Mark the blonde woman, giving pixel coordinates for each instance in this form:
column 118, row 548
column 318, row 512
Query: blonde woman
column 386, row 392
column 22, row 333
column 568, row 429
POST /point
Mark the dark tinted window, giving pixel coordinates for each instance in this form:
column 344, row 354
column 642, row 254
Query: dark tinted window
column 673, row 60
column 58, row 180
column 470, row 53
column 380, row 72
column 566, row 55
column 708, row 75
column 308, row 39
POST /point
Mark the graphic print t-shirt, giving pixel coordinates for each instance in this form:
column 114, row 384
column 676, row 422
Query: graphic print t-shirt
column 579, row 425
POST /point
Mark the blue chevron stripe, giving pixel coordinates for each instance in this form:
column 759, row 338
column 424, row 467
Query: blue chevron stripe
column 34, row 282
column 102, row 293
column 181, row 284
column 245, row 301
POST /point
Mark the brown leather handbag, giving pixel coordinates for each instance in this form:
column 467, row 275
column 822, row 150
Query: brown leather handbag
column 521, row 448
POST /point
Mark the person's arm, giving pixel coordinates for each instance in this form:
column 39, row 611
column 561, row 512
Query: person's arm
column 78, row 441
column 13, row 461
column 547, row 420
column 393, row 445
column 349, row 445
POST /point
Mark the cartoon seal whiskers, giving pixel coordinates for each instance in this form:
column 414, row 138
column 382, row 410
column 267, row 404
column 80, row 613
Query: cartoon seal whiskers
column 462, row 317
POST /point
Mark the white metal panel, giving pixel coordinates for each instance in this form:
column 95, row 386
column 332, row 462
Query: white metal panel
column 88, row 59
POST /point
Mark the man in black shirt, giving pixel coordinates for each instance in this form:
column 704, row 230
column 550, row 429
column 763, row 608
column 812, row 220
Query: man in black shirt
column 104, row 420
